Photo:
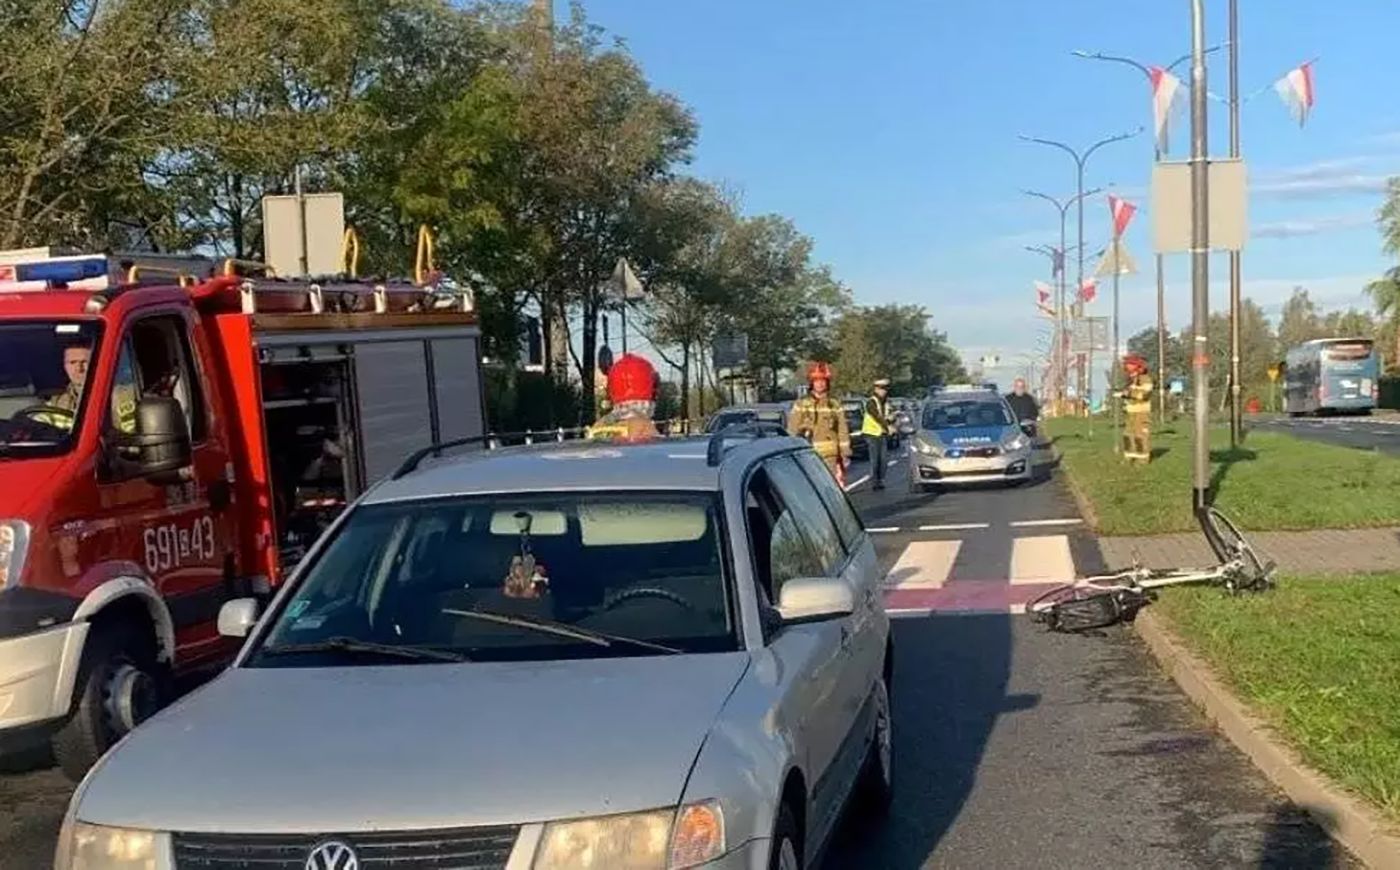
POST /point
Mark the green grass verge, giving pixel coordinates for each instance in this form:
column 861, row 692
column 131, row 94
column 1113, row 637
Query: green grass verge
column 1274, row 481
column 1316, row 659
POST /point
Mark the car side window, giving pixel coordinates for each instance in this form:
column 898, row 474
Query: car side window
column 164, row 367
column 848, row 524
column 122, row 403
column 780, row 550
column 801, row 501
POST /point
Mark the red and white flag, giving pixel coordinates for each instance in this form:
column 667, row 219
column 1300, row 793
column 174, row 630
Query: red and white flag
column 1166, row 88
column 1042, row 293
column 1296, row 89
column 1089, row 290
column 1122, row 212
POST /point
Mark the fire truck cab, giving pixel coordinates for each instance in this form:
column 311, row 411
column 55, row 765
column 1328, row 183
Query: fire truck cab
column 167, row 447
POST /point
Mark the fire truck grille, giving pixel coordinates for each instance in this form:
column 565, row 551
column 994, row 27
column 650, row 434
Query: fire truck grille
column 456, row 849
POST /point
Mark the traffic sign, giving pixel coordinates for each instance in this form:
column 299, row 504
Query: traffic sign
column 1274, row 371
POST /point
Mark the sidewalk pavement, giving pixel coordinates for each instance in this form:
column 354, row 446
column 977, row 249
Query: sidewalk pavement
column 1325, row 551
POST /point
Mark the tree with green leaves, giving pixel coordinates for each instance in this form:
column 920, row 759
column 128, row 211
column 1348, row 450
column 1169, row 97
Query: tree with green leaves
column 1300, row 321
column 1385, row 291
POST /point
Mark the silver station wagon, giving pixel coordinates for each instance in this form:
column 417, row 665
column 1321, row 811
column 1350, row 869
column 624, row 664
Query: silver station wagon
column 662, row 655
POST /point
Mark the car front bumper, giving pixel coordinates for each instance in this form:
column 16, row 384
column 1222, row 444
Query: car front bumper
column 37, row 672
column 945, row 470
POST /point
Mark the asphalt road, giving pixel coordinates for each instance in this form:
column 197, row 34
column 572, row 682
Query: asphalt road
column 1015, row 748
column 1018, row 748
column 1363, row 433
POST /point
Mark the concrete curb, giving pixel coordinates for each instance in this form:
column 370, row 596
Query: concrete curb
column 1081, row 501
column 1349, row 821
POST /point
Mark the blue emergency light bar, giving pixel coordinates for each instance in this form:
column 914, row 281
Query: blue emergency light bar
column 62, row 271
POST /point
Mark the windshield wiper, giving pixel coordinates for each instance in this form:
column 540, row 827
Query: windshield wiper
column 364, row 647
column 559, row 629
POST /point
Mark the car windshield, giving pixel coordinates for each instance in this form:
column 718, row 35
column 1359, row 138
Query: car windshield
column 966, row 414
column 43, row 375
column 731, row 418
column 512, row 578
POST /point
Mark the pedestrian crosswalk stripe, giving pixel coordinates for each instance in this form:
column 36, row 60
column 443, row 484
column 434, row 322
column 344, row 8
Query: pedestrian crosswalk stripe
column 923, row 565
column 1041, row 559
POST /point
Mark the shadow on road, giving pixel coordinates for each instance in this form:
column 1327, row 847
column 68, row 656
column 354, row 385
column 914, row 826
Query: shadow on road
column 962, row 665
column 1292, row 841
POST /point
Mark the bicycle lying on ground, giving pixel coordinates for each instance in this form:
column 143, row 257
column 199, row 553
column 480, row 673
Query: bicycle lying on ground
column 1107, row 599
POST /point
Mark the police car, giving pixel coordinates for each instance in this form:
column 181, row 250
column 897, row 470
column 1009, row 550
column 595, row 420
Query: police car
column 968, row 435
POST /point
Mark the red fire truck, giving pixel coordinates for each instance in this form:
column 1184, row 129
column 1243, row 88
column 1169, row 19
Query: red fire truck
column 167, row 445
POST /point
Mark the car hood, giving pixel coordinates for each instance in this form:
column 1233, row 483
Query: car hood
column 282, row 750
column 971, row 436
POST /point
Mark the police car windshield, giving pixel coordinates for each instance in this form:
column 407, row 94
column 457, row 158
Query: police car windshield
column 522, row 577
column 43, row 378
column 966, row 414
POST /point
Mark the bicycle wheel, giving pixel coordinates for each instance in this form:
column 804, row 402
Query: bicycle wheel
column 1230, row 545
column 1074, row 609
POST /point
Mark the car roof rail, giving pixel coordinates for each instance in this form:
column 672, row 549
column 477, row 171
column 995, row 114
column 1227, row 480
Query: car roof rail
column 491, row 441
column 750, row 430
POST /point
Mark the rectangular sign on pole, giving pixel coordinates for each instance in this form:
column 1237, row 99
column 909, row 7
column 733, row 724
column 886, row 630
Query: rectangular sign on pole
column 282, row 234
column 1171, row 206
column 731, row 351
column 1089, row 334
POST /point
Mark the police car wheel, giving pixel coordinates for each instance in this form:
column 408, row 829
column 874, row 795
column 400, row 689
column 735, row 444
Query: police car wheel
column 119, row 686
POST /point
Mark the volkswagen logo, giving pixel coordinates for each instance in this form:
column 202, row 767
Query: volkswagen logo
column 332, row 855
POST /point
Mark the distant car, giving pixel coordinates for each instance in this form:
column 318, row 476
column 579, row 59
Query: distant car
column 855, row 415
column 969, row 437
column 672, row 654
column 738, row 414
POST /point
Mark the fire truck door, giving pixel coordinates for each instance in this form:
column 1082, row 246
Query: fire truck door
column 179, row 531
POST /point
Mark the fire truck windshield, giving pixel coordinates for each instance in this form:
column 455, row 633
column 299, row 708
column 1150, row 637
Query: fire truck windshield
column 43, row 380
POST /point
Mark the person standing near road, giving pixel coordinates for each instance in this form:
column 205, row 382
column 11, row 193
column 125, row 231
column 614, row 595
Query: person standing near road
column 1137, row 404
column 821, row 420
column 1022, row 402
column 875, row 426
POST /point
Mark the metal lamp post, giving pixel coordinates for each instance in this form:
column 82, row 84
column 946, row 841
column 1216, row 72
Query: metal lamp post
column 1159, row 150
column 1080, row 159
column 1061, row 309
column 1200, row 259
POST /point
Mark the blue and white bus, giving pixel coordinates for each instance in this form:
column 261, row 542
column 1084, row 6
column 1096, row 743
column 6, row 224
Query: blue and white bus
column 1331, row 374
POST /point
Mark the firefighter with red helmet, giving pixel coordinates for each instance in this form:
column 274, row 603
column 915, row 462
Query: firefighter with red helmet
column 1137, row 405
column 822, row 420
column 631, row 400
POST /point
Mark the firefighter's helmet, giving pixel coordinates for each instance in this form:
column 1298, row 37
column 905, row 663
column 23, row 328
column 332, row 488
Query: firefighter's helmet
column 631, row 379
column 1134, row 364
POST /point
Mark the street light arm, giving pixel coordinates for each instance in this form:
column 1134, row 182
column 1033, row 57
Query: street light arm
column 1086, row 194
column 1186, row 57
column 1061, row 207
column 1109, row 141
column 1053, row 144
column 1113, row 58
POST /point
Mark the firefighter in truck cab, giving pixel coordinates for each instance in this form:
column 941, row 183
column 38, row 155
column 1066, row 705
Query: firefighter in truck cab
column 822, row 420
column 631, row 402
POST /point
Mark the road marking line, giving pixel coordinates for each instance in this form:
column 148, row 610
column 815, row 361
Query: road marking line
column 857, row 482
column 892, row 463
column 883, row 530
column 923, row 565
column 1042, row 559
column 1023, row 524
column 955, row 527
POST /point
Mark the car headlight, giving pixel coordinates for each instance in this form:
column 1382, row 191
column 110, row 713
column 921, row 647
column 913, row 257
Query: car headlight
column 14, row 544
column 653, row 840
column 96, row 847
column 1019, row 442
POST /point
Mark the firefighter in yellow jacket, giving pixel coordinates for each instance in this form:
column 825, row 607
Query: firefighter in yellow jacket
column 1137, row 405
column 822, row 420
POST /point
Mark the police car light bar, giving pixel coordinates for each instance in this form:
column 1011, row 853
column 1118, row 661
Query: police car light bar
column 90, row 272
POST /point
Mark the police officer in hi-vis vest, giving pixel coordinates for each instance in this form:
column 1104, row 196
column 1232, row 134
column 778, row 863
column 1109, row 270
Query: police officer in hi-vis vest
column 875, row 426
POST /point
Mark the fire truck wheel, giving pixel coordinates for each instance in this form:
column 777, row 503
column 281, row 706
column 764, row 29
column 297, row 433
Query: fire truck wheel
column 119, row 686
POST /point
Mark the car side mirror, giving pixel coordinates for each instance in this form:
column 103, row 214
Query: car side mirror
column 1028, row 426
column 814, row 599
column 237, row 617
column 161, row 443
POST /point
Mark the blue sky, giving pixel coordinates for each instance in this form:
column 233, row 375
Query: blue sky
column 887, row 130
